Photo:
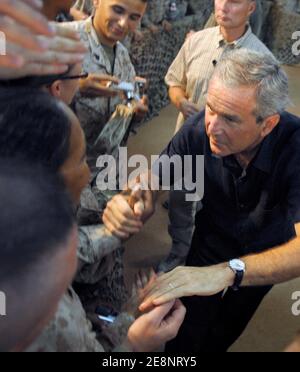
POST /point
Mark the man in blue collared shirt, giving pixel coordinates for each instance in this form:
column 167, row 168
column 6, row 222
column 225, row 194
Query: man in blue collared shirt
column 247, row 235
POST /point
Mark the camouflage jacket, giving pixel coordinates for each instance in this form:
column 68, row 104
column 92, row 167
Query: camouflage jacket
column 71, row 331
column 95, row 242
column 94, row 113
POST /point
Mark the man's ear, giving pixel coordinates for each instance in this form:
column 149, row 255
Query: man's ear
column 252, row 8
column 269, row 124
column 96, row 3
column 55, row 89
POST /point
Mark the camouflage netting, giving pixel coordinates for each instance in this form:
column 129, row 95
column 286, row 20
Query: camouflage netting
column 282, row 24
column 197, row 6
column 154, row 54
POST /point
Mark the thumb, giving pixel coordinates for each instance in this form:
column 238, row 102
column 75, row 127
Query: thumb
column 135, row 196
column 139, row 208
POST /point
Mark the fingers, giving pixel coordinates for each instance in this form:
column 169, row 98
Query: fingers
column 41, row 69
column 114, row 231
column 10, row 61
column 161, row 290
column 159, row 298
column 158, row 314
column 123, row 215
column 64, row 44
column 10, row 71
column 65, row 32
column 139, row 208
column 176, row 317
column 95, row 89
column 27, row 13
column 135, row 196
column 20, row 35
column 102, row 78
column 54, row 57
column 119, row 217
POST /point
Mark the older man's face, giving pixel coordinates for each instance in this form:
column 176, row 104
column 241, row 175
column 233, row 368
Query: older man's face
column 230, row 121
column 232, row 14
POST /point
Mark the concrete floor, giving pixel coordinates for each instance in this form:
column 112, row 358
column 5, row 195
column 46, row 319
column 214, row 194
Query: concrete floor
column 274, row 325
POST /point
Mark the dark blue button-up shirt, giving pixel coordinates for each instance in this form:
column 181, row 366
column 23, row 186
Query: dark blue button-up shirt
column 245, row 211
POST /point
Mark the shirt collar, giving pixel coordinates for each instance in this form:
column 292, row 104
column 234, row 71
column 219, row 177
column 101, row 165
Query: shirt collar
column 90, row 29
column 237, row 43
column 263, row 159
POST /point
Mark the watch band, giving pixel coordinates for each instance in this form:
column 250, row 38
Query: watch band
column 239, row 275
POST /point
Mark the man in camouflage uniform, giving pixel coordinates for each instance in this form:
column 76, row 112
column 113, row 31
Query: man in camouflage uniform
column 108, row 58
column 162, row 12
column 100, row 277
column 71, row 331
column 100, row 117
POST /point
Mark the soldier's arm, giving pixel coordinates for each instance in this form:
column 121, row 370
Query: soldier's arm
column 95, row 242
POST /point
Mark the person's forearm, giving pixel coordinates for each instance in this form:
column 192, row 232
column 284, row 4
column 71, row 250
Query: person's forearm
column 177, row 95
column 275, row 266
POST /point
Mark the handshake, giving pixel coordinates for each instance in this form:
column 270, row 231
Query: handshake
column 127, row 212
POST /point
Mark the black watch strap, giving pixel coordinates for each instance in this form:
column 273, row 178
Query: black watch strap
column 239, row 276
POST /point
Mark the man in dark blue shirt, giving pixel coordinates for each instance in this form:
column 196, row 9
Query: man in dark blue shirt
column 247, row 235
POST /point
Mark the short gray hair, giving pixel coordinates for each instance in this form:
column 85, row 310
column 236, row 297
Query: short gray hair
column 244, row 67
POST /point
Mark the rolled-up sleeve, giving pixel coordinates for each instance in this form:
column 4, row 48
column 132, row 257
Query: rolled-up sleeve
column 177, row 74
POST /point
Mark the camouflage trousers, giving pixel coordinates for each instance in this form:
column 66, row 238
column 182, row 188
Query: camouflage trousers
column 110, row 290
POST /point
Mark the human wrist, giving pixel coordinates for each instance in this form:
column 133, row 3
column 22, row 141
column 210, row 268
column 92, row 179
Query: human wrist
column 227, row 275
column 181, row 101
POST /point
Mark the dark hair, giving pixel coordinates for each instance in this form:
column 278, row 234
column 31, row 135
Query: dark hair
column 36, row 215
column 33, row 127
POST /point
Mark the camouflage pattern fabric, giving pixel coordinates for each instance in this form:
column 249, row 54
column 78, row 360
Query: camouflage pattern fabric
column 94, row 113
column 101, row 273
column 71, row 331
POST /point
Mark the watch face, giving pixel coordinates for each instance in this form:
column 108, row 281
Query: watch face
column 237, row 265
